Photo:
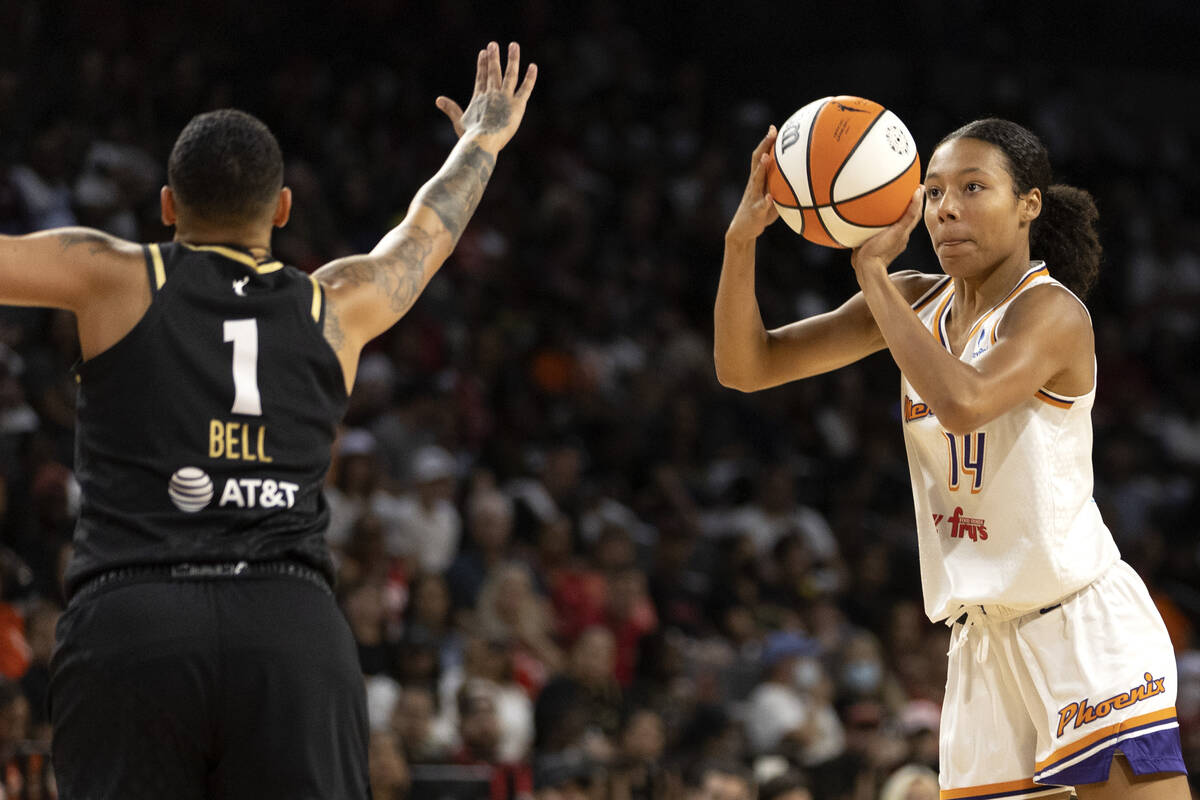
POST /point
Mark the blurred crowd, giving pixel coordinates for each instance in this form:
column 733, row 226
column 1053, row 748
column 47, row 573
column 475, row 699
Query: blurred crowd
column 576, row 566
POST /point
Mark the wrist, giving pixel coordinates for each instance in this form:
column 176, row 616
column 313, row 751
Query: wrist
column 488, row 142
column 865, row 266
column 739, row 240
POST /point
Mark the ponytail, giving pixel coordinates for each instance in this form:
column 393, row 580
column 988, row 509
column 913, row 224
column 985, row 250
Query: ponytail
column 1064, row 236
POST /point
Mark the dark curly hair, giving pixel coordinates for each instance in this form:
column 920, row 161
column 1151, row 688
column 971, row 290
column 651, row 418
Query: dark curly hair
column 226, row 167
column 1064, row 235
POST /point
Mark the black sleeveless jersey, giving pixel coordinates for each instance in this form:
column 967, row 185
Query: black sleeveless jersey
column 204, row 434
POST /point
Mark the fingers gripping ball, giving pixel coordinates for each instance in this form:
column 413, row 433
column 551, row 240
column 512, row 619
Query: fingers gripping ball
column 844, row 168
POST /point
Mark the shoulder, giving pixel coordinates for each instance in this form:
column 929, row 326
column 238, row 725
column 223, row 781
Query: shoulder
column 914, row 285
column 107, row 257
column 94, row 242
column 111, row 269
column 100, row 251
column 1050, row 308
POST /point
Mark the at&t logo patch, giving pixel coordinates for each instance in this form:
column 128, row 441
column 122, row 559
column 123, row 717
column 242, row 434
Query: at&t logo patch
column 190, row 489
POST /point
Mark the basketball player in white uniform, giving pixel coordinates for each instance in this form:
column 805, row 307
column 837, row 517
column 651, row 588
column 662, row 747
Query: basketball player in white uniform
column 1061, row 673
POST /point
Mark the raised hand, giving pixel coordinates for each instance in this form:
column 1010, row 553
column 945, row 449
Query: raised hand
column 757, row 210
column 881, row 250
column 498, row 104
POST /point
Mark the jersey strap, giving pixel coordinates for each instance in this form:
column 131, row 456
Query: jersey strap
column 155, row 269
column 316, row 300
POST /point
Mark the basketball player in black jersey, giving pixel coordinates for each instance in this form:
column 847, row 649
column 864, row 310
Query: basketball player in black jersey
column 201, row 654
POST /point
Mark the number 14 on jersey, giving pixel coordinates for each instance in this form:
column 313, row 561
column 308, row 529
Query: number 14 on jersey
column 966, row 459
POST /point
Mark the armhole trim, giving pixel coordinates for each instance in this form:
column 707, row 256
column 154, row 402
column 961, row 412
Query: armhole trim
column 933, row 292
column 316, row 299
column 158, row 274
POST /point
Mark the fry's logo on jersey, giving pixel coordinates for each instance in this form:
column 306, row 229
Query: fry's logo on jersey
column 1083, row 713
column 963, row 527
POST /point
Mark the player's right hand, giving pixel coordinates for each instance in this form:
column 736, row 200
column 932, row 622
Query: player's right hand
column 757, row 210
column 498, row 104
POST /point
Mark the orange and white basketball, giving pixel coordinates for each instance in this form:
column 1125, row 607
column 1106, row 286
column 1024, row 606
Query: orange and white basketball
column 844, row 169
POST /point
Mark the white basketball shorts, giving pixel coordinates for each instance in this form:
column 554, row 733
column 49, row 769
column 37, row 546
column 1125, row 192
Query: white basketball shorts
column 1043, row 700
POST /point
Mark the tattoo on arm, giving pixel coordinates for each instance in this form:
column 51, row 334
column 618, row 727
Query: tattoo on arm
column 399, row 275
column 398, row 271
column 333, row 329
column 97, row 242
column 455, row 196
column 403, row 273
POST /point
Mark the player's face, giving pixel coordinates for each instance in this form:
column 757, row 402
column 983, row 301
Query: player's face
column 973, row 214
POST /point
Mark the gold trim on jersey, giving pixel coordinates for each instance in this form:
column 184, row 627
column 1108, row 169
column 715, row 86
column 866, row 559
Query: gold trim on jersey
column 237, row 255
column 316, row 303
column 160, row 274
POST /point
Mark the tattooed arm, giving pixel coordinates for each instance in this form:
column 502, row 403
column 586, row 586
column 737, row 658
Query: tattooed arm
column 99, row 277
column 62, row 268
column 367, row 294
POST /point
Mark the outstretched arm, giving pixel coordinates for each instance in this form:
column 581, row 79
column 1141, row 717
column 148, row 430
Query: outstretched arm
column 367, row 294
column 62, row 268
column 99, row 277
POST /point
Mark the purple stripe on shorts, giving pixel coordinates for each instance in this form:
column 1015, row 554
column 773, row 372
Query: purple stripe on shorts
column 1158, row 751
column 1014, row 793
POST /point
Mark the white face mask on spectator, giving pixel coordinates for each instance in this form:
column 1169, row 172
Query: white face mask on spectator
column 862, row 675
column 806, row 674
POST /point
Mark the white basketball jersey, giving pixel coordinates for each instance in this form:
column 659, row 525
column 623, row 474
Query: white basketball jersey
column 1005, row 514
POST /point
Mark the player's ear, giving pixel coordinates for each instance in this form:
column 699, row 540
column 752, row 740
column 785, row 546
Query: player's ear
column 283, row 209
column 166, row 199
column 1031, row 205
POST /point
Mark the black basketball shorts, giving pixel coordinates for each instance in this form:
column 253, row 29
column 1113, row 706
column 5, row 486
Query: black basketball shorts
column 224, row 689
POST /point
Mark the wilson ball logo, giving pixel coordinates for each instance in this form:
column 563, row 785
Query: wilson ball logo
column 897, row 140
column 190, row 489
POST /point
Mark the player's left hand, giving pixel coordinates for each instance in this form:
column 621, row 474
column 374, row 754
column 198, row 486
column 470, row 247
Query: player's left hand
column 498, row 103
column 881, row 250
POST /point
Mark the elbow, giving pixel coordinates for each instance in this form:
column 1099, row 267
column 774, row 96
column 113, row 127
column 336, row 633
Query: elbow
column 733, row 378
column 958, row 417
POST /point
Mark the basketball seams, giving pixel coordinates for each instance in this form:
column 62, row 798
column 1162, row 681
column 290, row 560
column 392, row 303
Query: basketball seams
column 786, row 179
column 834, row 206
column 808, row 170
column 849, row 155
column 812, row 126
column 861, row 195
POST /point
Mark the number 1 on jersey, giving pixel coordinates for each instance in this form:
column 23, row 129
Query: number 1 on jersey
column 966, row 456
column 244, row 335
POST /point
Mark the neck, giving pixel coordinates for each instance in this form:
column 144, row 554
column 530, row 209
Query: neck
column 977, row 294
column 254, row 237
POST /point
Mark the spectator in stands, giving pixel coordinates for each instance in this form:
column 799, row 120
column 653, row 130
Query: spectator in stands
column 43, row 618
column 582, row 706
column 388, row 771
column 510, row 610
column 363, row 605
column 778, row 715
column 417, row 727
column 479, row 732
column 428, row 526
column 910, row 782
column 490, row 521
column 790, row 785
column 726, row 781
